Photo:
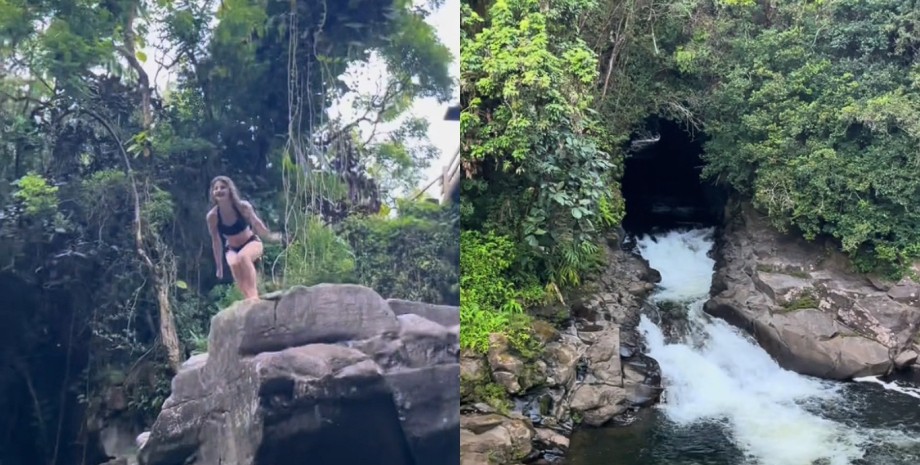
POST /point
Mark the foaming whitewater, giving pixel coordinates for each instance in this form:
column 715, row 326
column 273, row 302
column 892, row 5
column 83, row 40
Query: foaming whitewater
column 717, row 373
column 891, row 386
column 682, row 258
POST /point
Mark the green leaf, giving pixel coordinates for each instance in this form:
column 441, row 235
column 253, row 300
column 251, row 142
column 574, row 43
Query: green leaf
column 181, row 284
column 531, row 241
column 141, row 56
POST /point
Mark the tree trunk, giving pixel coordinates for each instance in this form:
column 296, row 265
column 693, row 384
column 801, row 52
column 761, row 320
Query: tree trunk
column 158, row 274
column 168, row 328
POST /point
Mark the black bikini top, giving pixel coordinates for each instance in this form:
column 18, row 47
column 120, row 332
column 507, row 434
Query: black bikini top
column 232, row 229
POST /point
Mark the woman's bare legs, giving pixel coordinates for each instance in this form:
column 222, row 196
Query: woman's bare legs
column 242, row 266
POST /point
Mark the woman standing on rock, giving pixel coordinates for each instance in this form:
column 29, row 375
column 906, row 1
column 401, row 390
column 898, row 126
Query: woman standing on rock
column 234, row 220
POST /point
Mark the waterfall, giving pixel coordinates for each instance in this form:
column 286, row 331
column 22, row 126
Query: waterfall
column 717, row 373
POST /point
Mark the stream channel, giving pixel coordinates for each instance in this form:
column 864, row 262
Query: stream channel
column 727, row 402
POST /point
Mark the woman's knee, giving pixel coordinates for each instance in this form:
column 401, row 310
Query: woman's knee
column 242, row 260
column 234, row 260
column 251, row 252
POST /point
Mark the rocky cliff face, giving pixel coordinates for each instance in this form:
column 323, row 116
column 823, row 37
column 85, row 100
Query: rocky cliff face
column 807, row 307
column 589, row 372
column 331, row 374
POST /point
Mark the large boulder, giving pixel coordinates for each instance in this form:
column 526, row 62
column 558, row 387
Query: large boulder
column 807, row 307
column 495, row 439
column 329, row 373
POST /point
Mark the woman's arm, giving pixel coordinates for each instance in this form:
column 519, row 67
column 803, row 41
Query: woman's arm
column 216, row 248
column 257, row 224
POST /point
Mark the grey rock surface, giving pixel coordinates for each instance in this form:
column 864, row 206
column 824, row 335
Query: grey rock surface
column 323, row 375
column 807, row 307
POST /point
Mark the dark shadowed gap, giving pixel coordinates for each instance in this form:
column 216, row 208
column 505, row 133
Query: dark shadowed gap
column 33, row 379
column 350, row 431
column 661, row 181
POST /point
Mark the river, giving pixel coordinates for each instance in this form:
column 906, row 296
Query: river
column 727, row 402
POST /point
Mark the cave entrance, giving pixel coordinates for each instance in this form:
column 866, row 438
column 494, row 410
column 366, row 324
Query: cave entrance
column 661, row 181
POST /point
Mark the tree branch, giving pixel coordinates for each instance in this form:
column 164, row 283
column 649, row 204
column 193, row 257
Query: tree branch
column 379, row 104
column 168, row 327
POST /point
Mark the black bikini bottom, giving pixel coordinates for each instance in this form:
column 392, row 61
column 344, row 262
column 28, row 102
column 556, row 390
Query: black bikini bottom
column 251, row 239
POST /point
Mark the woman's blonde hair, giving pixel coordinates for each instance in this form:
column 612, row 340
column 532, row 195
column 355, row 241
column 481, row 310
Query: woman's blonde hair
column 234, row 192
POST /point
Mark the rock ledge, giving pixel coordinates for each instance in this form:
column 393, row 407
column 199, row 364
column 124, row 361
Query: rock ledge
column 330, row 372
column 806, row 306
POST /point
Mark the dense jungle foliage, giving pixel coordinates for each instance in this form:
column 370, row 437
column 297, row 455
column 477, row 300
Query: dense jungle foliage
column 106, row 276
column 808, row 108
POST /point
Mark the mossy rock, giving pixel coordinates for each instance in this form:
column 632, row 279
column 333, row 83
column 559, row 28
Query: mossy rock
column 473, row 390
column 532, row 377
column 555, row 313
column 545, row 332
column 806, row 300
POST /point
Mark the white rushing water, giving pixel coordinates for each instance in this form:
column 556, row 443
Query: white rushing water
column 717, row 373
column 890, row 386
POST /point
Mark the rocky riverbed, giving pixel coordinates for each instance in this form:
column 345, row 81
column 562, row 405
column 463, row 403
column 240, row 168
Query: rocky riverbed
column 802, row 302
column 591, row 372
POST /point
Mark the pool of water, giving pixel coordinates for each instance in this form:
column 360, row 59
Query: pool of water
column 889, row 420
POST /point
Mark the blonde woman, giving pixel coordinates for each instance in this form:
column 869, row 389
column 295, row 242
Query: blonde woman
column 234, row 221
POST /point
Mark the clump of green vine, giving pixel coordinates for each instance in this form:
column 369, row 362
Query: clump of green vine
column 490, row 302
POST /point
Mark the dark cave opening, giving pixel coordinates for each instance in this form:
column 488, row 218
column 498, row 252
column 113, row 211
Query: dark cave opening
column 662, row 185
